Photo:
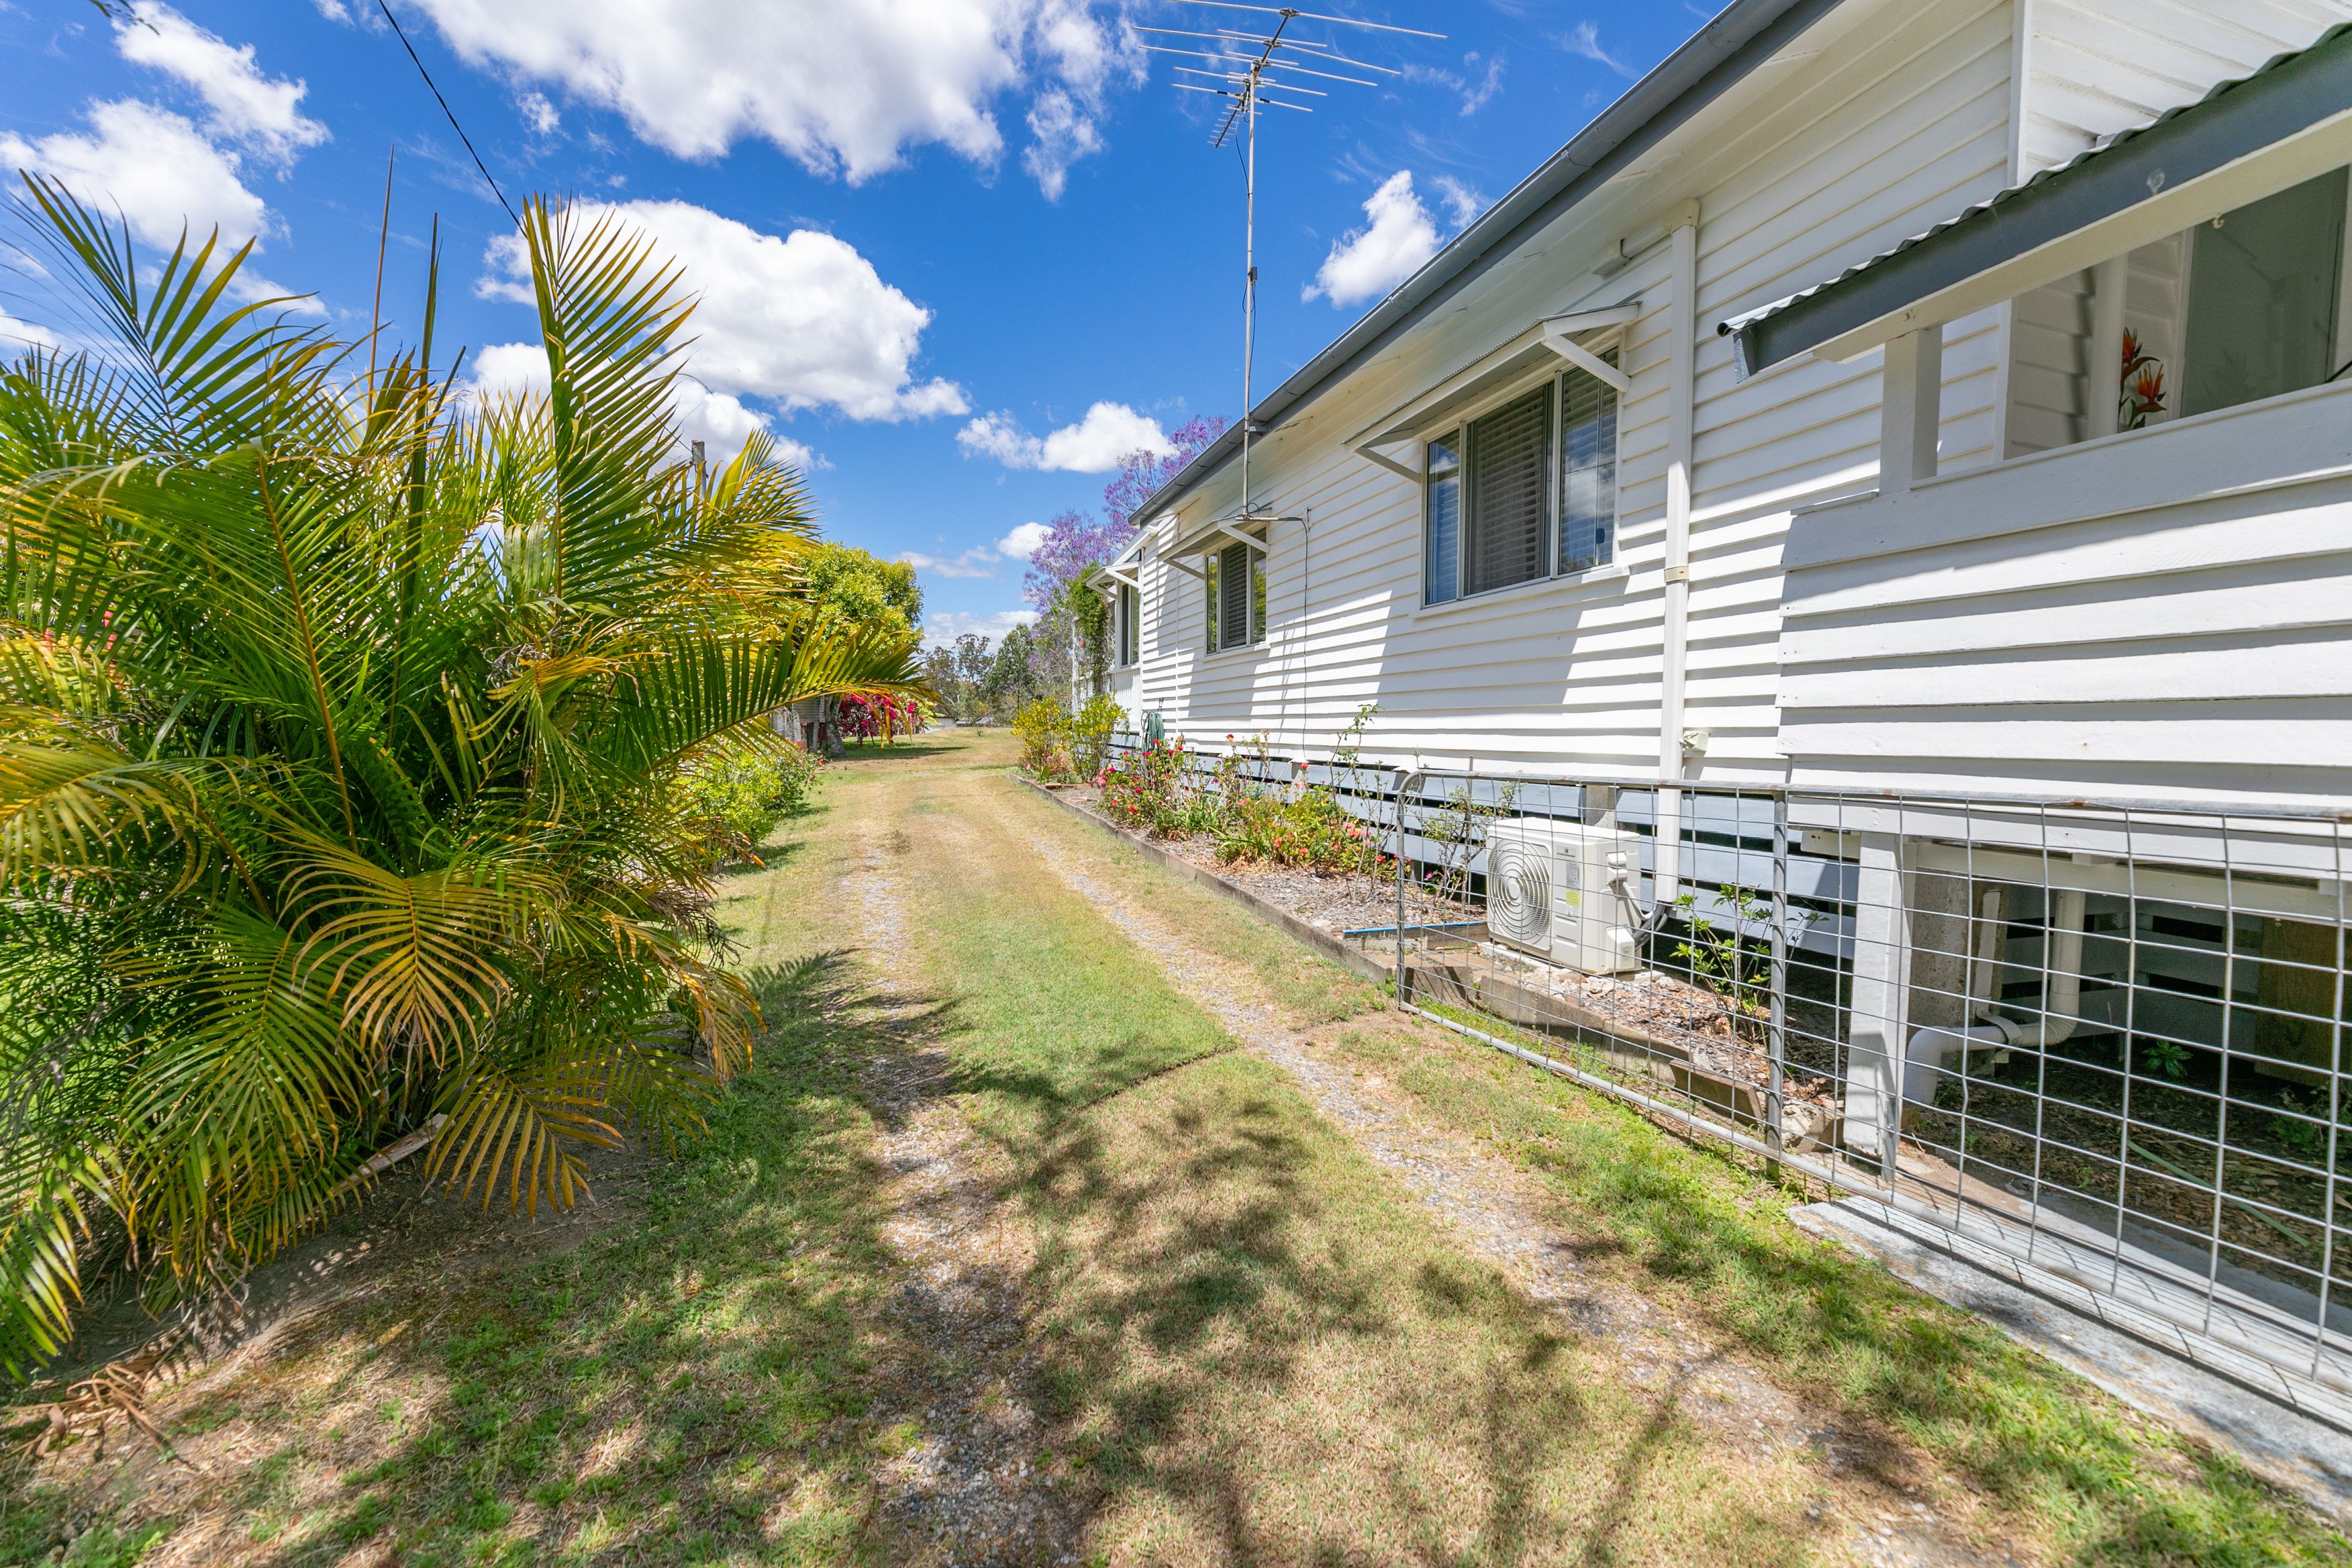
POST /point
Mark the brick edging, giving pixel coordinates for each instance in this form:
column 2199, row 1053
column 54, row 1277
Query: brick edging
column 1321, row 941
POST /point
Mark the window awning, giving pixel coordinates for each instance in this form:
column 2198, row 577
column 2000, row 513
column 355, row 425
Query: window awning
column 1214, row 533
column 2246, row 138
column 1548, row 341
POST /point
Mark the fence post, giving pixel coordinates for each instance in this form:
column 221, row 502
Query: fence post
column 1403, row 777
column 1777, row 1036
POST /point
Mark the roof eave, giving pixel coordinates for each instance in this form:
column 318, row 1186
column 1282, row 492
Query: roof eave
column 1709, row 63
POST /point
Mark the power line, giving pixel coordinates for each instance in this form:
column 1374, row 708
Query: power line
column 452, row 113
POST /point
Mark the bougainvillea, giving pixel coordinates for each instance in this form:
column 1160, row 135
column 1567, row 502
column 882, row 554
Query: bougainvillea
column 878, row 716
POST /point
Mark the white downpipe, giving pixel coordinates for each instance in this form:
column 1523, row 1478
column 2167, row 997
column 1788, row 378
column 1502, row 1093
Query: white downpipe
column 2061, row 993
column 1682, row 356
column 2061, row 999
column 1984, row 952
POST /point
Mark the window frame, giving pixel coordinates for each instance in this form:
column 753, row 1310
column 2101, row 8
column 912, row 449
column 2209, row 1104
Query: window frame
column 1126, row 628
column 2177, row 366
column 1255, row 616
column 1453, row 435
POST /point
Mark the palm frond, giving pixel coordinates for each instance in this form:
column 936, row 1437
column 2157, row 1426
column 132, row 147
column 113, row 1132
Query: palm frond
column 409, row 960
column 522, row 1125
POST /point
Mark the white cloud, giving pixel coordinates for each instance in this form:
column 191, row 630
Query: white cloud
column 1461, row 201
column 152, row 165
column 1584, row 40
column 980, row 562
column 713, row 418
column 941, row 627
column 1479, row 91
column 17, row 336
column 1064, row 134
column 1477, row 82
column 845, row 87
column 506, row 368
column 1367, row 262
column 260, row 114
column 1022, row 541
column 334, row 11
column 538, row 113
column 804, row 320
column 1107, row 436
column 162, row 172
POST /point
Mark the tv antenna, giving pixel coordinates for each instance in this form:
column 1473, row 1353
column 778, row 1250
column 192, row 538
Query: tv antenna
column 1257, row 71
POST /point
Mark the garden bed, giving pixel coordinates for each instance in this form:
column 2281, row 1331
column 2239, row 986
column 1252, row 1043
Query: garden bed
column 1652, row 1024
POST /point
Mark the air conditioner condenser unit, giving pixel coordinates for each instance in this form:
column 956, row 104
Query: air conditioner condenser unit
column 1563, row 891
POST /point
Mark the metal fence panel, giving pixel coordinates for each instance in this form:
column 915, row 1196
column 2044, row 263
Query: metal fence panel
column 2102, row 1046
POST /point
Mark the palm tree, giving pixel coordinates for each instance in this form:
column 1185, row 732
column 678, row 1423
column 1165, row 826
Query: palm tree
column 342, row 718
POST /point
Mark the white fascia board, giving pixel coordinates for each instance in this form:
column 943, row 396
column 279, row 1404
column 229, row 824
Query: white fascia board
column 2305, row 155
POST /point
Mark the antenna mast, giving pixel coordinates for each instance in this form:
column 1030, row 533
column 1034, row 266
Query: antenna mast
column 1256, row 70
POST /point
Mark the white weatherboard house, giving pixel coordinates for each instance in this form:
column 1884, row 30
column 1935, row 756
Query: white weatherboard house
column 1935, row 417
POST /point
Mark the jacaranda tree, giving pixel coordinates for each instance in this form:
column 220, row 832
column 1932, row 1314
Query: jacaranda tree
column 341, row 722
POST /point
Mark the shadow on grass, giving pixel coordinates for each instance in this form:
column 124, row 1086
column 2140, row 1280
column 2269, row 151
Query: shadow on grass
column 859, row 751
column 708, row 1380
column 1699, row 1226
column 1254, row 1356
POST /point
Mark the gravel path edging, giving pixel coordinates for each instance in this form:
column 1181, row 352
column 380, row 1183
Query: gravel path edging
column 1351, row 959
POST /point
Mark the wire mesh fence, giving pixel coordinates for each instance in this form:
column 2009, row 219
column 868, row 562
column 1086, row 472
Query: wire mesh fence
column 2101, row 1046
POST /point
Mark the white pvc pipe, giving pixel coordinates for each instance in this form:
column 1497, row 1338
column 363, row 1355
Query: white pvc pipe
column 1924, row 1054
column 2062, row 991
column 1682, row 419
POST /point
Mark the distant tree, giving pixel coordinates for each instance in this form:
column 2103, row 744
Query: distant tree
column 863, row 590
column 972, row 660
column 1012, row 682
column 956, row 672
column 1142, row 476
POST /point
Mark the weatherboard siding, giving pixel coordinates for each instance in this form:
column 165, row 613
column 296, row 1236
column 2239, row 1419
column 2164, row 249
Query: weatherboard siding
column 2164, row 615
column 1880, row 120
column 1884, row 121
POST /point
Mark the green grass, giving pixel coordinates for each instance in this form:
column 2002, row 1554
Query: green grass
column 1254, row 1345
column 1697, row 1228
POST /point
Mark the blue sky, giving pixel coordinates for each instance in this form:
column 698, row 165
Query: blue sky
column 960, row 253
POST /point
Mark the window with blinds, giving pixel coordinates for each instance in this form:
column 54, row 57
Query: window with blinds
column 1498, row 510
column 1236, row 597
column 1129, row 633
column 1588, row 471
column 1507, row 521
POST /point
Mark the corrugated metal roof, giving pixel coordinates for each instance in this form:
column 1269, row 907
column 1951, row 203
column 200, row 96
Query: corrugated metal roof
column 1987, row 209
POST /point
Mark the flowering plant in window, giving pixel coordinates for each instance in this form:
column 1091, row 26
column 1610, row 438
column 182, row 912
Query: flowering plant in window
column 2141, row 386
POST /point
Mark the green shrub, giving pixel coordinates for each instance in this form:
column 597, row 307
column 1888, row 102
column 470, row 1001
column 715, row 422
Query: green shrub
column 1090, row 734
column 750, row 789
column 1046, row 737
column 1314, row 833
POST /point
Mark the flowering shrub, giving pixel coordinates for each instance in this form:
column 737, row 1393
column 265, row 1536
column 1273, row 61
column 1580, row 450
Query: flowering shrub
column 866, row 716
column 1314, row 833
column 1045, row 731
column 1153, row 790
column 1147, row 790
